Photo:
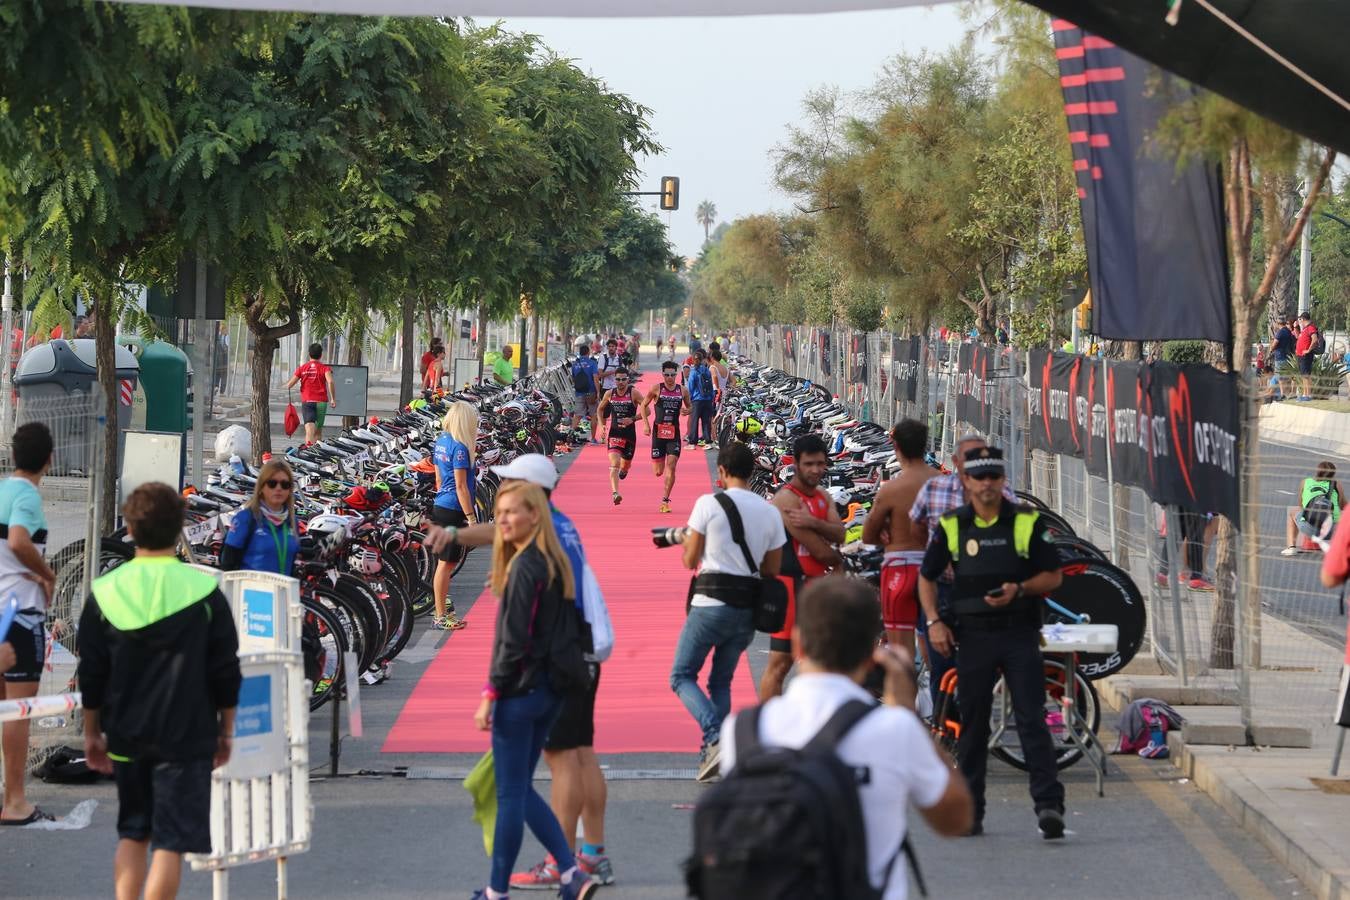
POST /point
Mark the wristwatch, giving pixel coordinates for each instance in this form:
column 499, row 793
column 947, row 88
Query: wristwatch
column 932, row 622
column 1021, row 591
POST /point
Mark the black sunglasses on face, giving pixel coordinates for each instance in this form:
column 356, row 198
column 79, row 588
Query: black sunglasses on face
column 276, row 483
column 985, row 476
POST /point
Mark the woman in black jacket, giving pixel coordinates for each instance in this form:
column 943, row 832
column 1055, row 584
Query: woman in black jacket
column 536, row 659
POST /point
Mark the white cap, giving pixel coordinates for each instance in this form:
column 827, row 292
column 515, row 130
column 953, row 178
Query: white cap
column 532, row 467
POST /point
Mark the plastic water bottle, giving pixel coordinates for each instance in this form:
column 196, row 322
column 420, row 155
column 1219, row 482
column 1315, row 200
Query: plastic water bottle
column 236, row 464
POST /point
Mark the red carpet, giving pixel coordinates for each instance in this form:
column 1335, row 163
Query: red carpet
column 644, row 587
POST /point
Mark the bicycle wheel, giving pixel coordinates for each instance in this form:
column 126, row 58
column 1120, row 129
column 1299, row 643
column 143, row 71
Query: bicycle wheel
column 1107, row 596
column 358, row 596
column 1031, row 499
column 1004, row 743
column 401, row 616
column 1072, row 549
column 324, row 640
column 1055, row 525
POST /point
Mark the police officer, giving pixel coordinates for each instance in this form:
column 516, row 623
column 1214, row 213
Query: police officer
column 1003, row 563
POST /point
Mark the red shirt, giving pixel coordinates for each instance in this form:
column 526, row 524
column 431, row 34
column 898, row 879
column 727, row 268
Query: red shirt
column 426, row 359
column 817, row 503
column 1304, row 345
column 313, row 377
column 1336, row 563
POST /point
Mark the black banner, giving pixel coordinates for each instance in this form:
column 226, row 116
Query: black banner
column 974, row 386
column 858, row 359
column 907, row 356
column 1154, row 231
column 1171, row 430
column 826, row 362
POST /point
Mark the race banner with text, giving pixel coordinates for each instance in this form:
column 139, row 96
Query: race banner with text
column 1171, row 430
column 974, row 386
column 908, row 356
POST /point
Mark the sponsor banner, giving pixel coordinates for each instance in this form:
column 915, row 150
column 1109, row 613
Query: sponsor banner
column 975, row 386
column 1171, row 430
column 907, row 354
column 857, row 358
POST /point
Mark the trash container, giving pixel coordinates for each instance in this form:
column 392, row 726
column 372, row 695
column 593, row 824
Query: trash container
column 55, row 381
column 164, row 375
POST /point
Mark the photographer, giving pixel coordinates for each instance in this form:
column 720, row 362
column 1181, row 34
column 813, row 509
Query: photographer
column 721, row 619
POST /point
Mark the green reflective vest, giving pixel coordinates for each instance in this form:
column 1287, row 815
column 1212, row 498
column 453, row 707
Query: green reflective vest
column 985, row 554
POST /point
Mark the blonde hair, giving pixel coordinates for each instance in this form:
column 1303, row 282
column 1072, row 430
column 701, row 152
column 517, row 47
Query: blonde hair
column 461, row 423
column 545, row 538
column 269, row 470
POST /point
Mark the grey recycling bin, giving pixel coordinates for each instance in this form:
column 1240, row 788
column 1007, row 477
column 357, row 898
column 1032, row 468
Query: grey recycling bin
column 54, row 381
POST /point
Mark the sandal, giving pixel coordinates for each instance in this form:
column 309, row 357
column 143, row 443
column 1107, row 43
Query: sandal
column 36, row 816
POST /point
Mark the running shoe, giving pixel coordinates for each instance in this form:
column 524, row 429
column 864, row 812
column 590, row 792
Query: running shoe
column 1161, row 580
column 692, row 446
column 617, row 499
column 581, row 887
column 623, row 473
column 448, row 622
column 1291, row 550
column 665, row 506
column 1051, row 824
column 709, row 761
column 1198, row 583
column 599, row 868
column 543, row 877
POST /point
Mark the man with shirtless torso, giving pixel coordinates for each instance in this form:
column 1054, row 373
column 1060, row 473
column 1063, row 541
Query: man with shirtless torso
column 889, row 523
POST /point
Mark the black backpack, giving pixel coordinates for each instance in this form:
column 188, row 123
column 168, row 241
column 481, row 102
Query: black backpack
column 581, row 379
column 1320, row 509
column 1318, row 344
column 785, row 824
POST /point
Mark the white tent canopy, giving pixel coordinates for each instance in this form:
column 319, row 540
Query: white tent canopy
column 491, row 9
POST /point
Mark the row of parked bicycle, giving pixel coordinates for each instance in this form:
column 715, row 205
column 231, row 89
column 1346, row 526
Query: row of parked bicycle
column 768, row 409
column 362, row 499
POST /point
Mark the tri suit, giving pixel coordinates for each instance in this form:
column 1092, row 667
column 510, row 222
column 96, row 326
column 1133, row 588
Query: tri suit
column 666, row 431
column 622, row 438
column 799, row 566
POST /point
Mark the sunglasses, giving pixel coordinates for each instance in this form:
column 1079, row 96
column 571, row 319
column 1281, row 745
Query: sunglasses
column 985, row 476
column 667, row 374
column 277, row 483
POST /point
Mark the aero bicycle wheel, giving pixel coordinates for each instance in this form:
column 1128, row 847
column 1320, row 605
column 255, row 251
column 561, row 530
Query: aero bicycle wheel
column 1072, row 549
column 323, row 640
column 1004, row 742
column 1107, row 596
column 1031, row 499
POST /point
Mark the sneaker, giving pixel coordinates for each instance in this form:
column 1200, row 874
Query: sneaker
column 448, row 622
column 599, row 868
column 709, row 760
column 623, row 473
column 1198, row 583
column 543, row 877
column 975, row 830
column 1051, row 824
column 617, row 498
column 581, row 887
column 665, row 506
column 1161, row 580
column 1291, row 550
column 1154, row 751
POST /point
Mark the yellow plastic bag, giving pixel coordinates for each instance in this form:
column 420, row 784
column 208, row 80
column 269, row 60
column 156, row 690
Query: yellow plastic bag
column 482, row 786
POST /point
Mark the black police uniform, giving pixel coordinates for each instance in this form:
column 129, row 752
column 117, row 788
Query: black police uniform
column 994, row 640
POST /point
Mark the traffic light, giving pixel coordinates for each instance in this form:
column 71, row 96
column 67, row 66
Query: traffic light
column 1084, row 313
column 670, row 192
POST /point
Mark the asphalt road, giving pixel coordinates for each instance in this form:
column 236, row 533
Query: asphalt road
column 385, row 835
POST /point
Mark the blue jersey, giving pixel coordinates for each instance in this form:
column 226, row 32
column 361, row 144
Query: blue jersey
column 590, row 367
column 570, row 539
column 267, row 547
column 451, row 456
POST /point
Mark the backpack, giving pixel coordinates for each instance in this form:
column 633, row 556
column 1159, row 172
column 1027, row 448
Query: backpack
column 1319, row 511
column 581, row 378
column 1318, row 345
column 705, row 382
column 785, row 824
column 1143, row 728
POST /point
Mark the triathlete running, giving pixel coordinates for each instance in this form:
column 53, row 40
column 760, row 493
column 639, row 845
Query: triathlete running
column 619, row 410
column 668, row 399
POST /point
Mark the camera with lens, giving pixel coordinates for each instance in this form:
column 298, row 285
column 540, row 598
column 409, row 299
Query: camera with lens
column 669, row 537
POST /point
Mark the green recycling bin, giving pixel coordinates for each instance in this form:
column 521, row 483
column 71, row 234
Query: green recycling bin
column 164, row 376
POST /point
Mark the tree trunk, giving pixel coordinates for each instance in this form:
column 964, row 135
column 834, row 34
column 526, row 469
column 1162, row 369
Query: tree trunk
column 482, row 335
column 1280, row 203
column 356, row 337
column 266, row 340
column 405, row 377
column 105, row 357
column 260, row 417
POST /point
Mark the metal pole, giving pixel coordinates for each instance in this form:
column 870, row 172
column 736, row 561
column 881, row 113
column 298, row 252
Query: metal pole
column 7, row 323
column 1014, row 416
column 1305, row 267
column 281, row 878
column 1110, row 478
column 202, row 366
column 1336, row 753
column 1174, row 562
column 220, row 884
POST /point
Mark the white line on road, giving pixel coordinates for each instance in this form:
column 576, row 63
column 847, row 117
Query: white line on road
column 422, row 651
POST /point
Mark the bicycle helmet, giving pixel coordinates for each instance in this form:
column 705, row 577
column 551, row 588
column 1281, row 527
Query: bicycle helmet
column 364, row 561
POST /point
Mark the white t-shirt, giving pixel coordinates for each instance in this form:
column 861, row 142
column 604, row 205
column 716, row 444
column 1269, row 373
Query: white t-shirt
column 763, row 532
column 890, row 742
column 608, row 366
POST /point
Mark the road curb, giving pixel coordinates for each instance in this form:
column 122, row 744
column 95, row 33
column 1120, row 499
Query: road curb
column 1300, row 848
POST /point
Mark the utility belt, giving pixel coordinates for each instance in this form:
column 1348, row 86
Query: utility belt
column 1003, row 620
column 736, row 591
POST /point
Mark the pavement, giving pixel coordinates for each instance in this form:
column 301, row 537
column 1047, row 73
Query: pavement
column 399, row 825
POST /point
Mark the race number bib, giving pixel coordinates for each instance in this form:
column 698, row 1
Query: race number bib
column 618, row 443
column 665, row 431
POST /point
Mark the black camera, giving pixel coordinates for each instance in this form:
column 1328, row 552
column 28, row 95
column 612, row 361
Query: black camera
column 669, row 537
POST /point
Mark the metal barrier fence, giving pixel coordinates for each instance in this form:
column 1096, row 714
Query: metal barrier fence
column 68, row 493
column 1228, row 605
